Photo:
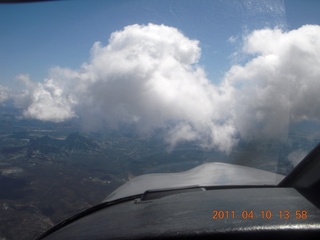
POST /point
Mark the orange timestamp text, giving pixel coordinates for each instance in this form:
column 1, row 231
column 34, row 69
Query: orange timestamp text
column 262, row 214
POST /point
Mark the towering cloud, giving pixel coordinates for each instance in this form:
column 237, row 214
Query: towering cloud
column 280, row 84
column 147, row 76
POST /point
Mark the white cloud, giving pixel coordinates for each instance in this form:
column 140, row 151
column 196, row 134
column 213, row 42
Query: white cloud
column 47, row 101
column 147, row 76
column 280, row 84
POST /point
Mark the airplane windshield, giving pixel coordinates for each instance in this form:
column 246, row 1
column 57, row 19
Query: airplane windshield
column 96, row 93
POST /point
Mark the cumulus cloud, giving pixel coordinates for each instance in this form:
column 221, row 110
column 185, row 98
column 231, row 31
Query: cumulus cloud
column 47, row 101
column 148, row 76
column 280, row 84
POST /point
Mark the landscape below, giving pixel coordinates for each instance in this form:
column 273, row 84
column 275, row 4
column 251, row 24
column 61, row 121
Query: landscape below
column 51, row 171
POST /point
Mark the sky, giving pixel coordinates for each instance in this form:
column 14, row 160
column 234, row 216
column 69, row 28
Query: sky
column 214, row 72
column 38, row 36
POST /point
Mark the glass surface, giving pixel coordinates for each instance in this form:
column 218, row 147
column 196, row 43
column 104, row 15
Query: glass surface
column 95, row 93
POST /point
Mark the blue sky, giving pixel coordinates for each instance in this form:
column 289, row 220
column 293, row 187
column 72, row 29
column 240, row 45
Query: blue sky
column 37, row 36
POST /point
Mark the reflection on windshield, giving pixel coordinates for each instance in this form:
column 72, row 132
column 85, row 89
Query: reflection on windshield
column 88, row 103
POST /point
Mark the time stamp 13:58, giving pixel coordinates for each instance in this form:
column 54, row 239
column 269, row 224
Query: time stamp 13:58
column 263, row 214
